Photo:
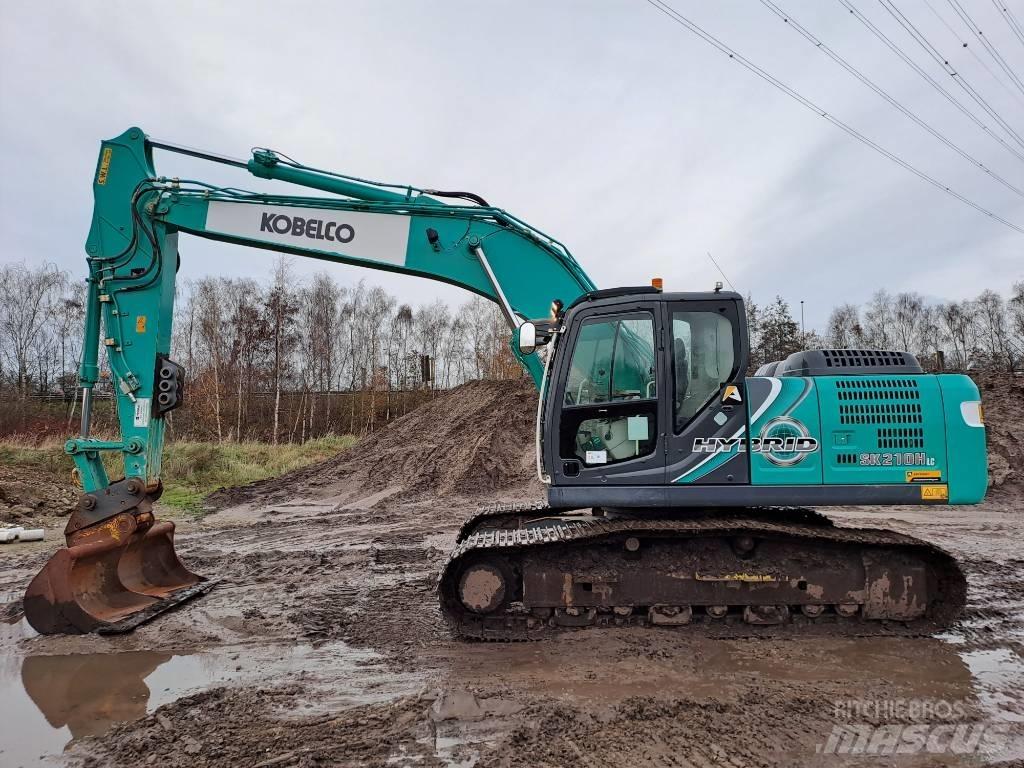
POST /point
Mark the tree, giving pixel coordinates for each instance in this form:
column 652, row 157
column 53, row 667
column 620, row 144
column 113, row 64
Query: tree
column 908, row 315
column 878, row 321
column 212, row 336
column 780, row 334
column 431, row 324
column 844, row 330
column 320, row 321
column 29, row 297
column 400, row 361
column 281, row 305
column 754, row 332
column 956, row 321
column 372, row 324
column 930, row 337
column 1015, row 307
column 249, row 345
column 993, row 330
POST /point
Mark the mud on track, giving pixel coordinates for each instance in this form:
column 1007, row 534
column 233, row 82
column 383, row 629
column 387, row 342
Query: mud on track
column 323, row 646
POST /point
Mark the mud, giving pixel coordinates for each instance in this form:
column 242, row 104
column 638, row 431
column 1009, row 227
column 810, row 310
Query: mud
column 1003, row 399
column 322, row 645
column 29, row 495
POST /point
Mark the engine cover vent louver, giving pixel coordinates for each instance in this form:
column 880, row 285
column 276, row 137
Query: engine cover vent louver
column 847, row 362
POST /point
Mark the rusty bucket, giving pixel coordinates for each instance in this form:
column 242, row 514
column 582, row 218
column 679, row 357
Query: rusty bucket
column 113, row 576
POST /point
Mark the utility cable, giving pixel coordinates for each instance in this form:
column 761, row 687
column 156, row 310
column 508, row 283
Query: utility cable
column 941, row 60
column 1011, row 20
column 714, row 42
column 976, row 31
column 928, row 78
column 963, row 44
column 817, row 43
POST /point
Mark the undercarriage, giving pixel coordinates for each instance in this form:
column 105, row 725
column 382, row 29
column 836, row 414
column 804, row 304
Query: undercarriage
column 523, row 572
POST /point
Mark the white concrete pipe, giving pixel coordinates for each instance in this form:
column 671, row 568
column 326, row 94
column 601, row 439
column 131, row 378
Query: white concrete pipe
column 7, row 535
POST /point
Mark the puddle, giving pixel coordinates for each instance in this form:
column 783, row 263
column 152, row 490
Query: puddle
column 612, row 669
column 49, row 701
column 999, row 680
column 455, row 742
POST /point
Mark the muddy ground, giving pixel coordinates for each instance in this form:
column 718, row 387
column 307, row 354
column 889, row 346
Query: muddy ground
column 322, row 643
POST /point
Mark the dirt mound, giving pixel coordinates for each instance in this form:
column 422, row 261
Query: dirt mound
column 28, row 493
column 470, row 441
column 1003, row 398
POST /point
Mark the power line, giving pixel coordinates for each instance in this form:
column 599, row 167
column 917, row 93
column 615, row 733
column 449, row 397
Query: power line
column 821, row 46
column 1011, row 20
column 971, row 51
column 941, row 60
column 684, row 22
column 976, row 31
column 928, row 78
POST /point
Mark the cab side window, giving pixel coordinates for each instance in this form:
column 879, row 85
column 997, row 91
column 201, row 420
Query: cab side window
column 703, row 359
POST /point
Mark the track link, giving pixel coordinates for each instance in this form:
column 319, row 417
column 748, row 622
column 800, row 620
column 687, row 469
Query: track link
column 530, row 570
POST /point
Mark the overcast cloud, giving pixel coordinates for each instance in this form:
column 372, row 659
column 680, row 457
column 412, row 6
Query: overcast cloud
column 602, row 123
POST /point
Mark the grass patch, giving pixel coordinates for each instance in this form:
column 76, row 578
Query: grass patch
column 191, row 470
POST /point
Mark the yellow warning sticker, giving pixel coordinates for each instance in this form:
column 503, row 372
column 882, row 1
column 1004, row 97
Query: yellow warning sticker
column 924, row 475
column 753, row 578
column 140, row 327
column 101, row 177
column 935, row 492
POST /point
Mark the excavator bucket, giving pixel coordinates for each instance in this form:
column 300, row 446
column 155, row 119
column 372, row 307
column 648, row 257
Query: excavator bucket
column 112, row 577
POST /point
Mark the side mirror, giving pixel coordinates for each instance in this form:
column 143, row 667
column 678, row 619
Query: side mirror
column 527, row 338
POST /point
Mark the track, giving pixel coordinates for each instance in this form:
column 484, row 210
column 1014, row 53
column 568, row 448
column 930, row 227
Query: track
column 524, row 572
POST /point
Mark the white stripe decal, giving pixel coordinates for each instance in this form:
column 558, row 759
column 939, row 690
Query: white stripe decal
column 710, row 456
column 773, row 395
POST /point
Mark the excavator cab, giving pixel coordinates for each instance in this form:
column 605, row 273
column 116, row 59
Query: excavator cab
column 632, row 369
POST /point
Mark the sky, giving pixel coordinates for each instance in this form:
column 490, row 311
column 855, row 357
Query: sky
column 601, row 122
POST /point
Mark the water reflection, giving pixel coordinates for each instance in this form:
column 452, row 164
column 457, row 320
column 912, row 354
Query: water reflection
column 48, row 701
column 89, row 692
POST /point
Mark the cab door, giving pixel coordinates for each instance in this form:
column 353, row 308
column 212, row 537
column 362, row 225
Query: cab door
column 607, row 423
column 707, row 358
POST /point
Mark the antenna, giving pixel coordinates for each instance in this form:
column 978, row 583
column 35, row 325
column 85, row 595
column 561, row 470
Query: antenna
column 720, row 271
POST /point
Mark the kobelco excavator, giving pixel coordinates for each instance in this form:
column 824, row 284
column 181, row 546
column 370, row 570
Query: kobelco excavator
column 677, row 486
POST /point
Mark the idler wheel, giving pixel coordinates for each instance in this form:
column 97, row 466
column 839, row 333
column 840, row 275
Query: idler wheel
column 482, row 588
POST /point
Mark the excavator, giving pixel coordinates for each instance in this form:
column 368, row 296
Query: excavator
column 679, row 488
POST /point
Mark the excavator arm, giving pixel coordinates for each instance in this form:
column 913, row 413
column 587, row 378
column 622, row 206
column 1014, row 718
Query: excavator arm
column 120, row 567
column 133, row 257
